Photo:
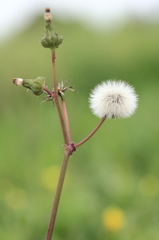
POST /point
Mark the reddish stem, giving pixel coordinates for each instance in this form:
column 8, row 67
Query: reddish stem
column 67, row 122
column 57, row 196
column 91, row 134
column 57, row 99
column 48, row 92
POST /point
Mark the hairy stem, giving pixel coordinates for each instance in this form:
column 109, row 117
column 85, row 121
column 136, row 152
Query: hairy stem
column 66, row 121
column 91, row 134
column 57, row 196
column 57, row 99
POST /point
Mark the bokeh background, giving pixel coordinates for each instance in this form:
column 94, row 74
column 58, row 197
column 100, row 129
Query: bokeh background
column 112, row 184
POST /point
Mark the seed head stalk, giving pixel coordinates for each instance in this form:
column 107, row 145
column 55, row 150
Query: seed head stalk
column 91, row 134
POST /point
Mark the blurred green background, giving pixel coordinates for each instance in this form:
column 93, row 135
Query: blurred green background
column 112, row 185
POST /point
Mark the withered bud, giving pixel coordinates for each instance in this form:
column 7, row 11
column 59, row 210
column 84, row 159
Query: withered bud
column 47, row 10
column 47, row 15
column 18, row 81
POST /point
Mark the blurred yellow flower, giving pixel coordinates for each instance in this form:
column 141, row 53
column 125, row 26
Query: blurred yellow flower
column 16, row 198
column 49, row 177
column 113, row 219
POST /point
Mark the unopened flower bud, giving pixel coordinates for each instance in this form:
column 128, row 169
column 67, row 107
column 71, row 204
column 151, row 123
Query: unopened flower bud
column 50, row 39
column 35, row 85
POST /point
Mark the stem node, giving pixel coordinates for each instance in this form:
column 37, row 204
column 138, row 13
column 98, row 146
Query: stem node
column 70, row 148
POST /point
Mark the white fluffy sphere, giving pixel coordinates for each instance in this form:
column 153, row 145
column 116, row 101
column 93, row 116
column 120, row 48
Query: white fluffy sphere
column 113, row 99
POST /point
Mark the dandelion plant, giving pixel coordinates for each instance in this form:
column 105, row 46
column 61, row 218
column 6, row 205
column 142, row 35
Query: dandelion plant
column 110, row 99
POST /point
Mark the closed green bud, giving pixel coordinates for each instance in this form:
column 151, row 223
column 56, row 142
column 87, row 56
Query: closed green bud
column 50, row 39
column 35, row 85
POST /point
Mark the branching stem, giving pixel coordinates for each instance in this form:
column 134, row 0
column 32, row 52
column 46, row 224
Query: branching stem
column 68, row 150
column 69, row 146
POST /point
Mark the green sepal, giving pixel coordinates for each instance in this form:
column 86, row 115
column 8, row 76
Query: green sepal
column 35, row 85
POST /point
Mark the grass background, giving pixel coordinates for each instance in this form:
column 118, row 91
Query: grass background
column 118, row 167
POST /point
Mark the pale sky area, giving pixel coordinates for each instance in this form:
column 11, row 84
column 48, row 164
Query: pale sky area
column 15, row 14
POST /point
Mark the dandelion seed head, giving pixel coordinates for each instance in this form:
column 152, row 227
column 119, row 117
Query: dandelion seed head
column 113, row 99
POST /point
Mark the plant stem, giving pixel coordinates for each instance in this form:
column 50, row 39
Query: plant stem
column 57, row 196
column 67, row 121
column 57, row 99
column 48, row 92
column 67, row 138
column 91, row 134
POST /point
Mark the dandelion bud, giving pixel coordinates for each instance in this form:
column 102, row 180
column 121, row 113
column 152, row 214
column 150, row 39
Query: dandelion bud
column 113, row 99
column 35, row 85
column 50, row 39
